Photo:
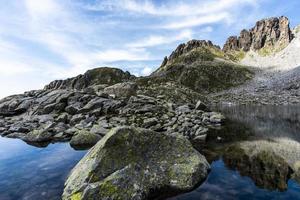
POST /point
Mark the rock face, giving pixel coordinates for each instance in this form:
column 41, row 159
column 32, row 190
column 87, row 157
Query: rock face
column 274, row 33
column 185, row 48
column 103, row 75
column 131, row 163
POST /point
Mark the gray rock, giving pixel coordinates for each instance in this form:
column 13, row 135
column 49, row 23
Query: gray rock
column 126, row 89
column 84, row 139
column 73, row 109
column 38, row 136
column 130, row 163
column 99, row 130
column 201, row 106
column 150, row 122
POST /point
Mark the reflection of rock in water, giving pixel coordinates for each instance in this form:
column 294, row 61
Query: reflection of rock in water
column 267, row 121
column 266, row 168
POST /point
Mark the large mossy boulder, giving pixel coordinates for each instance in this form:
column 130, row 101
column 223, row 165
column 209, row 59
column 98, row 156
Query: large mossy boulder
column 131, row 163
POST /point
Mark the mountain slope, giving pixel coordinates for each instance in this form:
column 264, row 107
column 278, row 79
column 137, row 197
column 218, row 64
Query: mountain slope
column 202, row 67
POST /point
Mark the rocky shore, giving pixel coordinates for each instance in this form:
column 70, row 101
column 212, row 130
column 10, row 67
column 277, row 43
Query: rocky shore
column 141, row 129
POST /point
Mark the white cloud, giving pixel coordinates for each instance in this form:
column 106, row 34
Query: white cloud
column 44, row 7
column 198, row 21
column 53, row 39
column 155, row 40
column 181, row 8
column 147, row 71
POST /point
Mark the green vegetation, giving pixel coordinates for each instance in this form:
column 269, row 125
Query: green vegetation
column 197, row 54
column 76, row 196
column 205, row 76
column 266, row 51
column 236, row 55
column 297, row 29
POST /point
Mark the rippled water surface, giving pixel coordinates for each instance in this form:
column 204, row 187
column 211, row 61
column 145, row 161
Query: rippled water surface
column 272, row 132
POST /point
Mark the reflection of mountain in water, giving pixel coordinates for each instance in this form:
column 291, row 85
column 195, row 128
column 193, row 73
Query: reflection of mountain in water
column 265, row 168
column 267, row 121
column 273, row 154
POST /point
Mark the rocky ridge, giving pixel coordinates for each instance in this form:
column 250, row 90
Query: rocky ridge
column 171, row 101
column 268, row 35
column 186, row 48
column 51, row 115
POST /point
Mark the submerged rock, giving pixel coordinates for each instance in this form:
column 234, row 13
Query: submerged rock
column 131, row 163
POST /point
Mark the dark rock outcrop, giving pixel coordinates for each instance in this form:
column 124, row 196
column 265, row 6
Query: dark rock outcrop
column 185, row 48
column 84, row 116
column 103, row 75
column 274, row 33
column 130, row 163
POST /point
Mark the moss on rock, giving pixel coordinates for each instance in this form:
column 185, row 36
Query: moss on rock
column 130, row 163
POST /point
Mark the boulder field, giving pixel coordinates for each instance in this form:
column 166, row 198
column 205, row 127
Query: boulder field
column 140, row 129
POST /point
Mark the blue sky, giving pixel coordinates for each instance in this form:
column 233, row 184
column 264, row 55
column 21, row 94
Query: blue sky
column 43, row 40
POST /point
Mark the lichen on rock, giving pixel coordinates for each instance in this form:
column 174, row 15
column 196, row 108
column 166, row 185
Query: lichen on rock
column 132, row 163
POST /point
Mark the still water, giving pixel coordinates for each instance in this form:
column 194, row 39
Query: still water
column 32, row 173
column 269, row 165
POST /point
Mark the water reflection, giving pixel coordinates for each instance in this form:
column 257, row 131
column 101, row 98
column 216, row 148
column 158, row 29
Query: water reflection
column 29, row 173
column 256, row 156
column 224, row 183
column 267, row 122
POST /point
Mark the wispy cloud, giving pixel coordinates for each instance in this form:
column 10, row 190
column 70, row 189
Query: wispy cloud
column 43, row 40
column 168, row 8
column 198, row 21
column 156, row 40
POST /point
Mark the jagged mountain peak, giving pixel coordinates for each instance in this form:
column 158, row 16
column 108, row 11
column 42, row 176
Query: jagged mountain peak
column 270, row 34
column 186, row 48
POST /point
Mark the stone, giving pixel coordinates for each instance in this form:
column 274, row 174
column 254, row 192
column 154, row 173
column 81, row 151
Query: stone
column 76, row 119
column 131, row 163
column 93, row 104
column 150, row 122
column 72, row 109
column 99, row 130
column 200, row 138
column 84, row 139
column 64, row 117
column 201, row 106
column 38, row 136
column 216, row 118
column 201, row 131
column 126, row 89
